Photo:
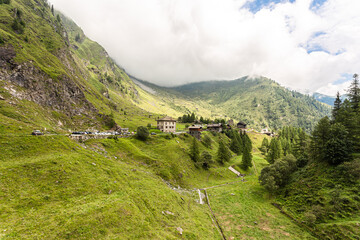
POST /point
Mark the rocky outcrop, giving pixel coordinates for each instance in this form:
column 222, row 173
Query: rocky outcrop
column 62, row 94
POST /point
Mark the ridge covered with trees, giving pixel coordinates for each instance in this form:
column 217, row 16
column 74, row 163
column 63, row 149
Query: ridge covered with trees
column 319, row 181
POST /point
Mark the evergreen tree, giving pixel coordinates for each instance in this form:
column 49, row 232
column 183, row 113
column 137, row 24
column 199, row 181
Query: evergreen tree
column 223, row 154
column 142, row 133
column 338, row 147
column 52, row 10
column 274, row 151
column 264, row 145
column 246, row 141
column 300, row 144
column 354, row 93
column 337, row 106
column 320, row 136
column 206, row 160
column 201, row 119
column 235, row 146
column 192, row 118
column 194, row 151
column 246, row 159
column 239, row 139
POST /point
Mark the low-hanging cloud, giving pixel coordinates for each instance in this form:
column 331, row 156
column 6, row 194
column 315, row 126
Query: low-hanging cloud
column 301, row 45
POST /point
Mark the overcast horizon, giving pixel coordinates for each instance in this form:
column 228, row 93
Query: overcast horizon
column 305, row 45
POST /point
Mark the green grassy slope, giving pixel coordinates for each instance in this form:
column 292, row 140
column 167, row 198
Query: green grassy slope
column 326, row 198
column 54, row 188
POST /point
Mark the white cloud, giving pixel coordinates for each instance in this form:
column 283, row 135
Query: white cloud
column 170, row 42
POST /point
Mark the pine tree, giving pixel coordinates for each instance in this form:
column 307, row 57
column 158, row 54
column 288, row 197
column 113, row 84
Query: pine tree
column 206, row 160
column 192, row 118
column 223, row 154
column 320, row 136
column 246, row 159
column 235, row 146
column 264, row 145
column 337, row 107
column 274, row 152
column 194, row 151
column 354, row 93
column 241, row 144
column 338, row 147
column 52, row 10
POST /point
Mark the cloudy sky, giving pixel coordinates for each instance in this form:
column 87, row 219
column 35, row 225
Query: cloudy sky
column 309, row 45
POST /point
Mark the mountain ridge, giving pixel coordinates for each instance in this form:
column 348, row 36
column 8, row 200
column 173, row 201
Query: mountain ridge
column 273, row 102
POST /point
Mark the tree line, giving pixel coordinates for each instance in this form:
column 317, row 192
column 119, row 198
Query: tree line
column 333, row 141
column 240, row 144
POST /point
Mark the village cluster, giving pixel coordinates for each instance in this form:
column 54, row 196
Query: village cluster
column 166, row 125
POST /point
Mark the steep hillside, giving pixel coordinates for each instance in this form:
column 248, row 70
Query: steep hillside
column 260, row 102
column 326, row 198
column 52, row 76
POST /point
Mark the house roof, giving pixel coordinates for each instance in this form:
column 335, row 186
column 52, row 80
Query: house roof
column 214, row 125
column 167, row 119
column 195, row 128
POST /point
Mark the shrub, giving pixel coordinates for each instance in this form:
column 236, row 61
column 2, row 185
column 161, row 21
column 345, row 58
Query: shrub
column 17, row 26
column 115, row 138
column 277, row 175
column 309, row 218
column 142, row 133
column 77, row 37
column 4, row 1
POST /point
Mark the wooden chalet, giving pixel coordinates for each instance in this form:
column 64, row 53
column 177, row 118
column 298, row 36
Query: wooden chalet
column 195, row 131
column 241, row 125
column 216, row 127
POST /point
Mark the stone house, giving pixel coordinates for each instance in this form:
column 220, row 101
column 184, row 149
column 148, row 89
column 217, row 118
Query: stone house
column 166, row 124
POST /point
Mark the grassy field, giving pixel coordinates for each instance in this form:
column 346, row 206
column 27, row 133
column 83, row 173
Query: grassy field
column 55, row 188
column 244, row 211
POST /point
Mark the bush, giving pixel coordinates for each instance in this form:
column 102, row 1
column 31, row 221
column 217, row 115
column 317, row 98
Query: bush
column 142, row 133
column 309, row 218
column 350, row 171
column 277, row 175
column 115, row 138
column 17, row 26
column 4, row 1
column 77, row 37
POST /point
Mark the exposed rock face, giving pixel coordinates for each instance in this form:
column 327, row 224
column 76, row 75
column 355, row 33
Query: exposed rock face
column 62, row 94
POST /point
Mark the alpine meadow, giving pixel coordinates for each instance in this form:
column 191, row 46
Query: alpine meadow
column 89, row 150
